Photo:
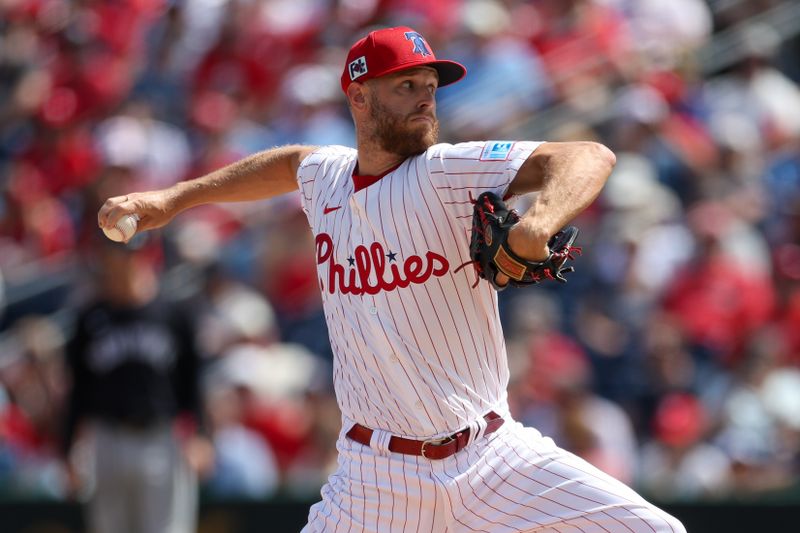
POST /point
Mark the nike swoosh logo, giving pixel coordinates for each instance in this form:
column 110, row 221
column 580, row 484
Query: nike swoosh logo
column 330, row 209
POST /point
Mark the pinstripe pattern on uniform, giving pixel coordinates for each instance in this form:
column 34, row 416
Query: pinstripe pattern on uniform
column 422, row 330
column 486, row 360
column 515, row 480
column 478, row 375
column 444, row 364
column 385, row 493
column 424, row 356
column 400, row 329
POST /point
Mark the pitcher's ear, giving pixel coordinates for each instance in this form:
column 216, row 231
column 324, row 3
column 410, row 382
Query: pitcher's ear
column 356, row 95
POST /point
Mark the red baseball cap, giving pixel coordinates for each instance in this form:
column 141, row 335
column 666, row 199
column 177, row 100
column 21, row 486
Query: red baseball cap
column 389, row 50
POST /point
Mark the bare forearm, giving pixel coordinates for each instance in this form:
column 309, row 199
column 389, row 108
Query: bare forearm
column 262, row 175
column 569, row 177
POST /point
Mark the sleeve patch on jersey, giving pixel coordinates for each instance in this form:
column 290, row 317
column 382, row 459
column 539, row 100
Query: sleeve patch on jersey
column 496, row 150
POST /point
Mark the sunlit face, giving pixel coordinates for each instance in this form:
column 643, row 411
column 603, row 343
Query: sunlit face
column 403, row 111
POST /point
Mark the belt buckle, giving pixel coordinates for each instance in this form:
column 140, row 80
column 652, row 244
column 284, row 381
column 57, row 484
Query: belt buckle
column 435, row 442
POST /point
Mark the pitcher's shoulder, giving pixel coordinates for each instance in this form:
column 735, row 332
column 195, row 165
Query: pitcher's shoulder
column 335, row 151
column 462, row 150
column 328, row 156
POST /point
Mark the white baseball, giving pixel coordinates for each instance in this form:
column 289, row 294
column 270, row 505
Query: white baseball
column 124, row 229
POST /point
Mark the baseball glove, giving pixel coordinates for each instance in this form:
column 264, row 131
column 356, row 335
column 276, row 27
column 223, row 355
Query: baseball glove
column 490, row 253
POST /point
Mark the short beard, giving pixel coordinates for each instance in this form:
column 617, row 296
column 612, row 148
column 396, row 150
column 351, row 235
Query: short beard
column 395, row 136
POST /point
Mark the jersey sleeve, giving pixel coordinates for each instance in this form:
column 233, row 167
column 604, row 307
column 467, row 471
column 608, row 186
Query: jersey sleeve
column 318, row 173
column 461, row 172
column 308, row 172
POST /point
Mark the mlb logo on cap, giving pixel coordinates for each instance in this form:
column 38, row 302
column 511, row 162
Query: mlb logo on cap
column 391, row 50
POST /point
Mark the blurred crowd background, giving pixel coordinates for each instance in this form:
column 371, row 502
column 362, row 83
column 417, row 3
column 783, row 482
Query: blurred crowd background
column 670, row 360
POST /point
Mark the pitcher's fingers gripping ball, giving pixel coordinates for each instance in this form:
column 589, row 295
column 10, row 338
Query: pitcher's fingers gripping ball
column 491, row 221
column 124, row 229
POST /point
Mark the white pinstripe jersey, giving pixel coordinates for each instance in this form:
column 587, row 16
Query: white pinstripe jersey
column 417, row 351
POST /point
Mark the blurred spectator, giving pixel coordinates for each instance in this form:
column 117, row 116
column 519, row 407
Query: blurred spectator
column 676, row 143
column 677, row 464
column 769, row 99
column 275, row 383
column 7, row 460
column 557, row 399
column 664, row 31
column 759, row 423
column 584, row 45
column 646, row 241
column 311, row 93
column 718, row 300
column 33, row 389
column 135, row 373
column 495, row 49
column 245, row 464
column 2, row 294
column 157, row 152
column 271, row 398
column 668, row 362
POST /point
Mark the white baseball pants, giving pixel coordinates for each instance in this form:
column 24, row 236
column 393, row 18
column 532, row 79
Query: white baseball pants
column 514, row 480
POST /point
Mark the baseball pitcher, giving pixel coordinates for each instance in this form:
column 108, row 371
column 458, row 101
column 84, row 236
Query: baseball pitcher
column 413, row 240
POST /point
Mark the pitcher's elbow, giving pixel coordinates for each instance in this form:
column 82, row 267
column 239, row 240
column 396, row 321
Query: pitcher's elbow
column 603, row 154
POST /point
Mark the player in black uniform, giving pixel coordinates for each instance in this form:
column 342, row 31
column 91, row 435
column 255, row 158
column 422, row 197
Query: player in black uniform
column 135, row 373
